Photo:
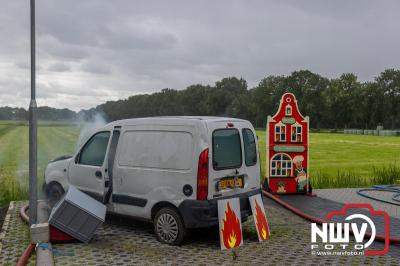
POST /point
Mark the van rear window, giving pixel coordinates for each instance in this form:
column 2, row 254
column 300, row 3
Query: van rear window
column 227, row 151
column 250, row 149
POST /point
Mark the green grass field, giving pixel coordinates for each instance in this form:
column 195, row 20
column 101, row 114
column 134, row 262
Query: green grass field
column 53, row 140
column 336, row 160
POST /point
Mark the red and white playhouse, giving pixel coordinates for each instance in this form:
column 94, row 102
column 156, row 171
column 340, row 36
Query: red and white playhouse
column 287, row 149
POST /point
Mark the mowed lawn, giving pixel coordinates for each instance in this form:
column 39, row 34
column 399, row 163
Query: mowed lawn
column 340, row 160
column 336, row 160
column 53, row 140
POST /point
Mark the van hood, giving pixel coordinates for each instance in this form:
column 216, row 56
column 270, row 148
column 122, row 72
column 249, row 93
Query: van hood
column 63, row 157
column 56, row 171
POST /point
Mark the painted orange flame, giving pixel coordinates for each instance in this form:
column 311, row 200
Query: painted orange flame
column 231, row 231
column 261, row 223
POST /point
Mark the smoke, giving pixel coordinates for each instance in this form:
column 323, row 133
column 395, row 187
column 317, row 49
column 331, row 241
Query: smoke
column 88, row 127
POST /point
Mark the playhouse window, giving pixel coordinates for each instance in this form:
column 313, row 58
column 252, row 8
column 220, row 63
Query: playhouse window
column 280, row 133
column 281, row 165
column 296, row 133
column 288, row 110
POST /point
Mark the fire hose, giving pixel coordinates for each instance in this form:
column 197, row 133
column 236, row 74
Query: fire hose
column 23, row 260
column 382, row 188
column 319, row 221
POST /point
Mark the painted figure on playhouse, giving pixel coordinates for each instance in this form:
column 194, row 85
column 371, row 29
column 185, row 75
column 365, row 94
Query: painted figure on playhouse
column 300, row 173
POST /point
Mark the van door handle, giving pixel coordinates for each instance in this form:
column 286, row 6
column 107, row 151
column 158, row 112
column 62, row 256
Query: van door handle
column 98, row 174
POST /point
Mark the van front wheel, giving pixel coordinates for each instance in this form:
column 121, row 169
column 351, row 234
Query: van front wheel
column 168, row 227
column 54, row 192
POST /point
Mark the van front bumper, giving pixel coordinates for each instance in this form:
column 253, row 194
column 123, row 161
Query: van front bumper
column 198, row 213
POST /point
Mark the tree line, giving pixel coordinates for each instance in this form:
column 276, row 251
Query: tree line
column 44, row 113
column 343, row 102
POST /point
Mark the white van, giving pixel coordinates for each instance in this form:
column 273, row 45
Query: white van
column 167, row 170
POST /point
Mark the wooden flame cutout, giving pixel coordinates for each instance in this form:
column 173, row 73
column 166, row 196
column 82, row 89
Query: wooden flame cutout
column 231, row 231
column 261, row 222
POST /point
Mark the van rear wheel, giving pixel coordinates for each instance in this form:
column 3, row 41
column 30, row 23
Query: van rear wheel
column 169, row 227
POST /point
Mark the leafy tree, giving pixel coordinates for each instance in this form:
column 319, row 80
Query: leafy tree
column 341, row 102
column 389, row 82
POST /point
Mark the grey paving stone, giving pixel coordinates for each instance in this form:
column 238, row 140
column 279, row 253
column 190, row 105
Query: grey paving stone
column 122, row 241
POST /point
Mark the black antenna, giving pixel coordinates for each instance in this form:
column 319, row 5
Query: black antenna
column 33, row 128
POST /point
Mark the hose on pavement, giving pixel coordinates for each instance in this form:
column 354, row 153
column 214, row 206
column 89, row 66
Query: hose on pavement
column 23, row 260
column 381, row 238
column 383, row 188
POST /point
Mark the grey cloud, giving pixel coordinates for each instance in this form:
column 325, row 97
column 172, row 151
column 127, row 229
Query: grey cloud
column 114, row 49
column 139, row 40
column 27, row 66
column 59, row 67
column 23, row 65
column 96, row 67
column 52, row 47
column 104, row 28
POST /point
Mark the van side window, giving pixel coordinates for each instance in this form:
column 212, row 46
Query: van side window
column 227, row 151
column 156, row 149
column 250, row 150
column 94, row 151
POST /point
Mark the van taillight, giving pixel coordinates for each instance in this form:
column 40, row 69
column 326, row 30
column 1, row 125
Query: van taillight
column 202, row 176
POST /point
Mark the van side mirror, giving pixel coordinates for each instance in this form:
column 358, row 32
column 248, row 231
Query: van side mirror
column 77, row 157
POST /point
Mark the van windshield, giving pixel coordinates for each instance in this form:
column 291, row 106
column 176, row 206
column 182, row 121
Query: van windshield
column 226, row 149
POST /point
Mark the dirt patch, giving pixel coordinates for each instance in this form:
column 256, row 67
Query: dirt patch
column 3, row 212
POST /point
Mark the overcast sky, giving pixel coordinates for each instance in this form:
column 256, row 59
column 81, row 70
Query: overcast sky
column 91, row 51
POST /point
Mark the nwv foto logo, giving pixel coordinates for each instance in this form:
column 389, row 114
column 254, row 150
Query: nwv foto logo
column 336, row 236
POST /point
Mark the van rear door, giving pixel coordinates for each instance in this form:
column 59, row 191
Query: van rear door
column 234, row 161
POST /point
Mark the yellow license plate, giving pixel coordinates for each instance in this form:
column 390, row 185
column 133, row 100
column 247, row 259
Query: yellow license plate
column 234, row 182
